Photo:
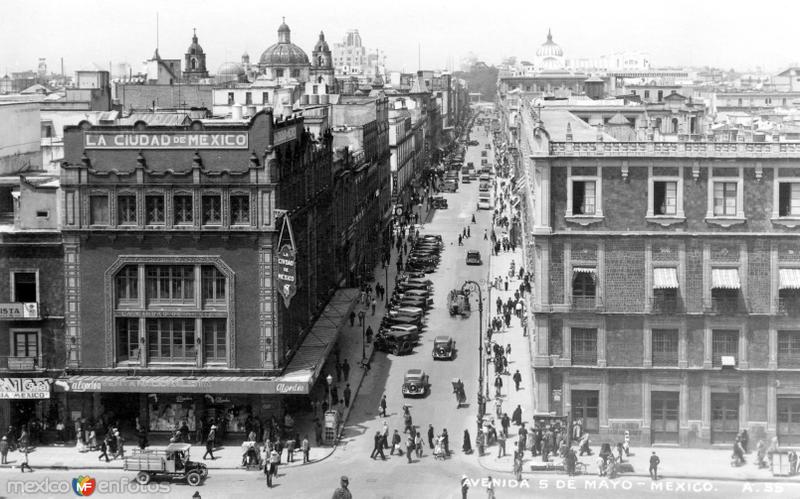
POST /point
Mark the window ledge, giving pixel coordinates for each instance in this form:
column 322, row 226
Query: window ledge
column 665, row 220
column 725, row 221
column 584, row 219
column 791, row 222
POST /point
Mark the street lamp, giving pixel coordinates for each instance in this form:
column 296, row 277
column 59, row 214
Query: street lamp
column 363, row 341
column 466, row 288
column 329, row 379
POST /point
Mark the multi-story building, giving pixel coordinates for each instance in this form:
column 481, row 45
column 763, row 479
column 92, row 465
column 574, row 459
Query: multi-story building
column 401, row 144
column 177, row 251
column 666, row 282
column 350, row 57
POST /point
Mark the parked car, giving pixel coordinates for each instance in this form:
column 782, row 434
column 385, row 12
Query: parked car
column 450, row 186
column 407, row 311
column 399, row 320
column 418, row 293
column 473, row 142
column 474, row 257
column 440, row 203
column 465, row 179
column 484, row 187
column 444, row 348
column 172, row 463
column 484, row 204
column 395, row 342
column 415, row 383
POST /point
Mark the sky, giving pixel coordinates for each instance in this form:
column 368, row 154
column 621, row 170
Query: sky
column 89, row 34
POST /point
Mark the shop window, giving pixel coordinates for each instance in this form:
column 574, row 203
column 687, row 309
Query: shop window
column 665, row 347
column 214, row 339
column 665, row 198
column 128, row 284
column 126, row 209
column 213, row 284
column 183, row 209
column 583, row 198
column 724, row 343
column 170, row 283
column 168, row 412
column 24, row 286
column 98, row 209
column 240, row 209
column 128, row 339
column 789, row 199
column 154, row 209
column 170, row 339
column 26, row 344
column 725, row 199
column 212, row 209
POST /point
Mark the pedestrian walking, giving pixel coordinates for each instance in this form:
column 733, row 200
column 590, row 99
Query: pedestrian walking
column 212, row 435
column 430, row 436
column 501, row 444
column 418, row 444
column 347, row 394
column 290, row 450
column 377, row 447
column 104, row 444
column 498, row 385
column 353, row 314
column 274, row 459
column 464, row 486
column 25, row 463
column 334, row 395
column 396, row 444
column 485, row 235
column 343, row 492
column 382, row 406
column 4, row 450
column 468, row 232
column 374, row 303
column 516, row 416
column 305, row 446
column 517, row 379
column 499, row 304
column 654, row 462
column 345, row 370
column 268, row 472
column 498, row 407
column 409, row 448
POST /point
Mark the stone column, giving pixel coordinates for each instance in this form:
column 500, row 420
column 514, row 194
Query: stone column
column 772, row 338
column 601, row 344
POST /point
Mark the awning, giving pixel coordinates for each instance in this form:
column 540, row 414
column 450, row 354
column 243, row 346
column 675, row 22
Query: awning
column 725, row 279
column 789, row 278
column 584, row 270
column 665, row 278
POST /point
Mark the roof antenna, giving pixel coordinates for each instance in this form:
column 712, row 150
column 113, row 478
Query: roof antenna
column 419, row 56
column 156, row 31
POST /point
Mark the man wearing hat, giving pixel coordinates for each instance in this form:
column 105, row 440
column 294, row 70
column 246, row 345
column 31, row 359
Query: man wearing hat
column 4, row 450
column 464, row 486
column 212, row 435
column 343, row 492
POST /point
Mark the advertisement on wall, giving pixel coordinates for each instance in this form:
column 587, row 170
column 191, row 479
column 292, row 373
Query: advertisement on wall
column 287, row 263
column 165, row 140
column 24, row 388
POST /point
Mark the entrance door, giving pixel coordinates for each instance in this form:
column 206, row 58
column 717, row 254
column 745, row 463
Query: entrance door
column 724, row 417
column 586, row 405
column 789, row 421
column 664, row 417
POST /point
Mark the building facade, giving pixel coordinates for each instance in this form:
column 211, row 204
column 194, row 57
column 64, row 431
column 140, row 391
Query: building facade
column 666, row 284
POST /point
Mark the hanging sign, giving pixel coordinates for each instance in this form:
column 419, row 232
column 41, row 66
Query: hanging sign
column 287, row 264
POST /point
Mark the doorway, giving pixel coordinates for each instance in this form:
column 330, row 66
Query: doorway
column 664, row 417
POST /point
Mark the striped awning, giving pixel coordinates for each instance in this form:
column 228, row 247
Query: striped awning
column 789, row 278
column 665, row 278
column 584, row 270
column 725, row 279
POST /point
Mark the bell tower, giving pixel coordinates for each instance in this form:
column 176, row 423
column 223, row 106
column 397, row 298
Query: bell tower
column 322, row 63
column 194, row 61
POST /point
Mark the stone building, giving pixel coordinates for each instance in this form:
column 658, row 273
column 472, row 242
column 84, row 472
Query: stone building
column 667, row 279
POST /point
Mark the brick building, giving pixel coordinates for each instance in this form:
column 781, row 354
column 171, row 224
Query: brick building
column 171, row 236
column 667, row 280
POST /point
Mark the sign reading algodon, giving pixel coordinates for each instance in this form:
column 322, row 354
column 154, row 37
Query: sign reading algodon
column 165, row 140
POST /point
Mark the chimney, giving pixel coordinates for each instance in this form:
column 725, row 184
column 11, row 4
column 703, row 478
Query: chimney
column 236, row 112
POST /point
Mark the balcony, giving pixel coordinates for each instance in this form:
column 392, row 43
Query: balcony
column 587, row 303
column 584, row 358
column 665, row 359
column 8, row 363
column 725, row 306
column 665, row 305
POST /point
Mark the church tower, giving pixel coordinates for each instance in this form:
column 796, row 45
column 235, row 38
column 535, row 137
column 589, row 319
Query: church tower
column 322, row 64
column 195, row 61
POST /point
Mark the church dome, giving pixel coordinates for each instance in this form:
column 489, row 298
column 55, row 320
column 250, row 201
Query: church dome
column 549, row 48
column 230, row 69
column 322, row 45
column 284, row 53
column 194, row 48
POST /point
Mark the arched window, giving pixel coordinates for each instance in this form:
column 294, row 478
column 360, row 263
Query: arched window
column 674, row 125
column 583, row 285
column 194, row 63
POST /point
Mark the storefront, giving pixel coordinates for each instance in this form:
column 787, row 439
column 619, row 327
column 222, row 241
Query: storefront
column 27, row 401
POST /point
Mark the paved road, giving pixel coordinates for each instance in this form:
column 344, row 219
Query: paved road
column 318, row 482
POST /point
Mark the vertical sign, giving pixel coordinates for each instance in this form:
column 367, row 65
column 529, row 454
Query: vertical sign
column 287, row 264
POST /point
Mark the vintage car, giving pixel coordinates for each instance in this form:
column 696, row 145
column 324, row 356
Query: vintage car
column 484, row 187
column 473, row 142
column 418, row 293
column 172, row 463
column 465, row 179
column 458, row 302
column 405, row 310
column 484, row 204
column 483, row 153
column 443, row 348
column 403, row 286
column 474, row 257
column 411, row 275
column 415, row 383
column 450, row 185
column 418, row 280
column 440, row 203
column 420, row 266
column 412, row 301
column 396, row 342
column 399, row 320
column 488, row 146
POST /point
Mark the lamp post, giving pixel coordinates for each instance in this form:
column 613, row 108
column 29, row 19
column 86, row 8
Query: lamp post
column 329, row 379
column 363, row 341
column 386, row 280
column 466, row 288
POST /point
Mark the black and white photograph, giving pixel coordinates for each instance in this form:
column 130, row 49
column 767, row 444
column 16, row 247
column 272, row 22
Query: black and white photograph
column 407, row 250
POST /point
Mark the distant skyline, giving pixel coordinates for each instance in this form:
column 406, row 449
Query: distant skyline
column 89, row 34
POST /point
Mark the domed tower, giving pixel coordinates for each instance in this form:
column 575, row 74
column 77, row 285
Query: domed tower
column 550, row 56
column 195, row 61
column 284, row 60
column 322, row 63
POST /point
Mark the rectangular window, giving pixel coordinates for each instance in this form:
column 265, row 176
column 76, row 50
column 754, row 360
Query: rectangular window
column 665, row 347
column 265, row 98
column 724, row 343
column 183, row 209
column 279, row 73
column 214, row 339
column 170, row 284
column 725, row 199
column 154, row 209
column 212, row 209
column 295, row 73
column 231, row 99
column 789, row 199
column 584, row 346
column 213, row 284
column 24, row 286
column 26, row 344
column 248, row 98
column 127, row 338
column 583, row 198
column 98, row 210
column 170, row 339
column 126, row 209
column 240, row 209
column 665, row 198
column 789, row 349
column 128, row 283
column 646, row 94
